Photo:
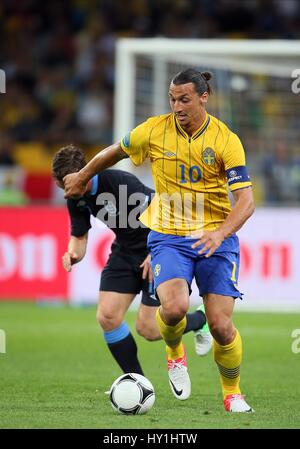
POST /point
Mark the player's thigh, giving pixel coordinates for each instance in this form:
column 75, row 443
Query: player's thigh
column 112, row 307
column 216, row 278
column 118, row 287
column 172, row 273
column 146, row 315
column 146, row 325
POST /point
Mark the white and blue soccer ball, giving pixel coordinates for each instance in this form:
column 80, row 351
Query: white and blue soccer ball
column 132, row 394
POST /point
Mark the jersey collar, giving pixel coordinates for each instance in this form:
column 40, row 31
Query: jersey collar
column 198, row 132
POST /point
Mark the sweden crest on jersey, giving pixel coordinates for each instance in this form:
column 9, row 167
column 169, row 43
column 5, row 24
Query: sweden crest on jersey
column 209, row 156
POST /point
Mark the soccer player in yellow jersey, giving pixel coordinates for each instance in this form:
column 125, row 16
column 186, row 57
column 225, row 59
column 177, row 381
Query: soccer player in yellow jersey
column 194, row 158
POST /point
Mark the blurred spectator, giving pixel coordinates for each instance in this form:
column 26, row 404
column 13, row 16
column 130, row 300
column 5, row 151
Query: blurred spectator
column 93, row 113
column 6, row 150
column 282, row 175
column 10, row 192
column 58, row 59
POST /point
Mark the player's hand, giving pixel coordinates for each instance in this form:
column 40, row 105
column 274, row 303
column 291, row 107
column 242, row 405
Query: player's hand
column 211, row 241
column 68, row 259
column 146, row 265
column 74, row 185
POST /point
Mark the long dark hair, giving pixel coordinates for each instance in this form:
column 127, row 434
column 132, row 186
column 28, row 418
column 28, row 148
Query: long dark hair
column 199, row 79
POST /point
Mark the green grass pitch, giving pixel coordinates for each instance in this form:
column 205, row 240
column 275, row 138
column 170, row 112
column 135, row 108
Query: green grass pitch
column 57, row 367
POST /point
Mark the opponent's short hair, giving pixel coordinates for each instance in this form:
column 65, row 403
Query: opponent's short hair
column 199, row 79
column 69, row 159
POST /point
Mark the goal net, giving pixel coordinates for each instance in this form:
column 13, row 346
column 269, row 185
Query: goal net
column 256, row 88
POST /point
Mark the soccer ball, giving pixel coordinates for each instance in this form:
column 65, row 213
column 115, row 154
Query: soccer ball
column 132, row 394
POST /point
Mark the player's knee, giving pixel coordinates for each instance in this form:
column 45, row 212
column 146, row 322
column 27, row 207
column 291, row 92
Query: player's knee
column 107, row 320
column 221, row 329
column 150, row 333
column 174, row 302
column 174, row 312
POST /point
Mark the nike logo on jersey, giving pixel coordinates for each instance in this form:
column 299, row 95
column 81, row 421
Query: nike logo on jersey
column 177, row 392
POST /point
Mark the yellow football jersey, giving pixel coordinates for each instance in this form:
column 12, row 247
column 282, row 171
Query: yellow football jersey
column 190, row 173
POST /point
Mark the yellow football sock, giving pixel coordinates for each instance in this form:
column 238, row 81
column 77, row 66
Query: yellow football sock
column 228, row 359
column 172, row 336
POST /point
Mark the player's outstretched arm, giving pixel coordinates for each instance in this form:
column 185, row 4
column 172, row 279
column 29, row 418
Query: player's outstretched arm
column 242, row 210
column 75, row 183
column 76, row 251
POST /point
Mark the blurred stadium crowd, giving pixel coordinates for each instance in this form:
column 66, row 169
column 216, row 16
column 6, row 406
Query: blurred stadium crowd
column 58, row 58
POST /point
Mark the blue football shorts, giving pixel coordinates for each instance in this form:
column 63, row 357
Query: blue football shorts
column 173, row 257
